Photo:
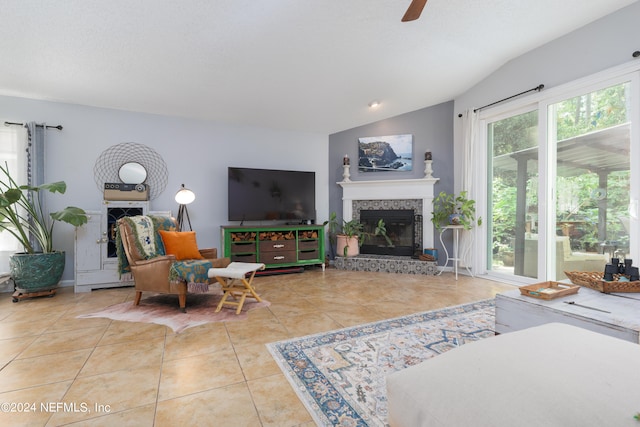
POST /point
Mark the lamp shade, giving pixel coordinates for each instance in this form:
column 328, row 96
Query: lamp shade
column 184, row 196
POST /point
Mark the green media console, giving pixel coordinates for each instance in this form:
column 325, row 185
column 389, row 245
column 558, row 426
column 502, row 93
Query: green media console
column 275, row 246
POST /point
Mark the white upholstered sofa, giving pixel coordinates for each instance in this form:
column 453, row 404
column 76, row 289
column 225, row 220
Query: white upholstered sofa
column 554, row 375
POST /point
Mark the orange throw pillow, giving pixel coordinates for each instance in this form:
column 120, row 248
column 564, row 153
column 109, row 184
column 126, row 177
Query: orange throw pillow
column 182, row 244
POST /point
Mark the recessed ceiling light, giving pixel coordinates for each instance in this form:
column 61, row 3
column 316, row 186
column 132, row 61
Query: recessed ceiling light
column 374, row 104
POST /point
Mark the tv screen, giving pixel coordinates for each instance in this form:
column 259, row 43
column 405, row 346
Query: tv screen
column 269, row 194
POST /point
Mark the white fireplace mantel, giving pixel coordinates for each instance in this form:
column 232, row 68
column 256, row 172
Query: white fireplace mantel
column 396, row 189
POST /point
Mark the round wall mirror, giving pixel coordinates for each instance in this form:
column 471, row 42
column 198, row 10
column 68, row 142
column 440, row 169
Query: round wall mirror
column 113, row 165
column 132, row 173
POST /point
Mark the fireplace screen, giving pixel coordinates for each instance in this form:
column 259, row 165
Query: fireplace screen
column 400, row 229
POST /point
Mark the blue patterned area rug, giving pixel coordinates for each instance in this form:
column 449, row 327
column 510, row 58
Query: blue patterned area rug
column 340, row 375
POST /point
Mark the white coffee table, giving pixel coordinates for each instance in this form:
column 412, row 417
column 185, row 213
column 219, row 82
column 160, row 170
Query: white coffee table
column 616, row 315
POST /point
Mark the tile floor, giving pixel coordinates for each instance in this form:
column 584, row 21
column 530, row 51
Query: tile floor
column 111, row 373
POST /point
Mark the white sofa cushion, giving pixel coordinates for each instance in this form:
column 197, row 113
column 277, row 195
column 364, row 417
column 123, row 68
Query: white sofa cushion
column 549, row 375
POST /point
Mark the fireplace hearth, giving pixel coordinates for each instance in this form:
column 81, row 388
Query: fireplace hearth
column 387, row 264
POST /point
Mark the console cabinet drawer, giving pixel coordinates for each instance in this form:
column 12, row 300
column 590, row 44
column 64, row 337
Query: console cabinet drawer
column 307, row 244
column 309, row 254
column 244, row 258
column 276, row 257
column 243, row 247
column 277, row 245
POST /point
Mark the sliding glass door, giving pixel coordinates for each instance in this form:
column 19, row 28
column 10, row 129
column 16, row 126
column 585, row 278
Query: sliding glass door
column 560, row 184
column 591, row 135
column 513, row 192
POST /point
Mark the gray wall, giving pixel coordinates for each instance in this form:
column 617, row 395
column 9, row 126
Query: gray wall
column 432, row 130
column 197, row 153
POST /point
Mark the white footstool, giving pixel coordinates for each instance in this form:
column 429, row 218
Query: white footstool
column 236, row 279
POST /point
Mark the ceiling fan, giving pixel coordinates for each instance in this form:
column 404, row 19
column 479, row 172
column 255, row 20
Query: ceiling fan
column 414, row 10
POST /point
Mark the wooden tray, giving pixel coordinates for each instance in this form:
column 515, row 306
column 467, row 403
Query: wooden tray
column 593, row 280
column 549, row 290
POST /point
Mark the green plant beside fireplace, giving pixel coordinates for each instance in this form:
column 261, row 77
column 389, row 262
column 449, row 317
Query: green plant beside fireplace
column 353, row 229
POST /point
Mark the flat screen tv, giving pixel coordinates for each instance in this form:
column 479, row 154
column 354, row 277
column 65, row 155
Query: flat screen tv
column 271, row 195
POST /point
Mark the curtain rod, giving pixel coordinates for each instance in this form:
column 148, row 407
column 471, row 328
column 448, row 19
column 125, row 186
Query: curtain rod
column 537, row 88
column 59, row 127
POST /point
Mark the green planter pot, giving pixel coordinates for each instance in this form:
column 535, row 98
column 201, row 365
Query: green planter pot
column 37, row 272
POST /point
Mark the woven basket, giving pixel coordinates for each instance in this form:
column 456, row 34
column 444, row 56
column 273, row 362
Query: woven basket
column 586, row 279
column 426, row 257
column 594, row 280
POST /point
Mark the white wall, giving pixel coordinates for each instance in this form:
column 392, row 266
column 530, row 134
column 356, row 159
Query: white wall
column 197, row 153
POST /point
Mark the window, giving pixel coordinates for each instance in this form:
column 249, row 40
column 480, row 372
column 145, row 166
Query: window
column 12, row 155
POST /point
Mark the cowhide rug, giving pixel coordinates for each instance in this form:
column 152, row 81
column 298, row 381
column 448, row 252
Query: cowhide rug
column 165, row 310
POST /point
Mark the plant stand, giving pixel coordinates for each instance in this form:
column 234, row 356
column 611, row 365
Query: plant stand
column 21, row 294
column 457, row 256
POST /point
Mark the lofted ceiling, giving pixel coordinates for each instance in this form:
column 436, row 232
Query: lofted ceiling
column 306, row 65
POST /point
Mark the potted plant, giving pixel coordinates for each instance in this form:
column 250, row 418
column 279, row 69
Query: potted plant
column 350, row 238
column 449, row 209
column 350, row 235
column 40, row 267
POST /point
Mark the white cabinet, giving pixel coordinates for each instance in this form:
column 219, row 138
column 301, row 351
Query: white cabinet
column 96, row 262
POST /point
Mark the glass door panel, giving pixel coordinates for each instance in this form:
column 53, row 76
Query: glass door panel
column 591, row 135
column 513, row 195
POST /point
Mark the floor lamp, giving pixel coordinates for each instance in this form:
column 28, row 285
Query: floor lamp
column 184, row 196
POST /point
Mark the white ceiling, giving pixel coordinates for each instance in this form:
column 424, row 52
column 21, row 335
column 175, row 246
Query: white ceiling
column 309, row 65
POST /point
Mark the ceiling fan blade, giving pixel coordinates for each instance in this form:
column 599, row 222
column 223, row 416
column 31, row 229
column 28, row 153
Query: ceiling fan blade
column 414, row 10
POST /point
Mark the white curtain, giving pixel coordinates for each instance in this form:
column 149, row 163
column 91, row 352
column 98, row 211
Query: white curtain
column 13, row 154
column 469, row 144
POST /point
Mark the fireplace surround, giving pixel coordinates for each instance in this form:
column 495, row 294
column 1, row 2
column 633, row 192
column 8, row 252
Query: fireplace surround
column 406, row 194
column 391, row 194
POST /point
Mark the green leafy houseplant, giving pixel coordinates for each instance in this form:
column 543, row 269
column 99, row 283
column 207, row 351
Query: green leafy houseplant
column 22, row 215
column 449, row 209
column 354, row 229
